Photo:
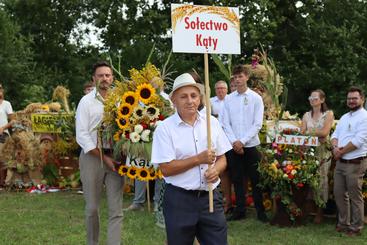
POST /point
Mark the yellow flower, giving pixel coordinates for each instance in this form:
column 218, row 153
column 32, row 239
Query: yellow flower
column 124, row 110
column 138, row 112
column 122, row 122
column 151, row 111
column 145, row 92
column 132, row 172
column 143, row 175
column 159, row 174
column 130, row 97
column 117, row 136
column 45, row 108
column 123, row 169
column 267, row 204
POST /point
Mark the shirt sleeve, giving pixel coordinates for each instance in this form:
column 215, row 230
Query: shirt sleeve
column 226, row 124
column 335, row 134
column 258, row 121
column 162, row 149
column 9, row 109
column 222, row 143
column 83, row 134
column 361, row 134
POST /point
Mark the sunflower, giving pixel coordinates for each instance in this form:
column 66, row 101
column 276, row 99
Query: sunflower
column 132, row 172
column 152, row 112
column 124, row 110
column 123, row 169
column 117, row 136
column 130, row 97
column 152, row 174
column 145, row 92
column 122, row 123
column 143, row 175
column 138, row 112
column 159, row 174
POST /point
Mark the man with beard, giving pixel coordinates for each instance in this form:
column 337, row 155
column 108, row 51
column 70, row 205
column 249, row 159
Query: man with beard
column 349, row 143
column 97, row 168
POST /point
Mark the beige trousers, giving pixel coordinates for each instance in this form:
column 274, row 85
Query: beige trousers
column 348, row 181
column 94, row 176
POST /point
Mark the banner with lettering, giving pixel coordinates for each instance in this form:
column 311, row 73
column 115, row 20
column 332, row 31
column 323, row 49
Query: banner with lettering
column 205, row 29
column 49, row 122
column 296, row 140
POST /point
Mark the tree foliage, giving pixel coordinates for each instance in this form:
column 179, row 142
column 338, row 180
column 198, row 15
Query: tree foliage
column 314, row 43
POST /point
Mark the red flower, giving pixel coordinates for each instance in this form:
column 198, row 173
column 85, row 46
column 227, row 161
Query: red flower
column 300, row 185
column 127, row 135
column 145, row 126
column 161, row 117
column 290, row 176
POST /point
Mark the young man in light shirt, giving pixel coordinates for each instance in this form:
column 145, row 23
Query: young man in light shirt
column 181, row 152
column 349, row 142
column 242, row 120
column 94, row 172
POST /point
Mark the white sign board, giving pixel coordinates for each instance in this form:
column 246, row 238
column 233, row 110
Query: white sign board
column 137, row 162
column 296, row 140
column 273, row 128
column 205, row 29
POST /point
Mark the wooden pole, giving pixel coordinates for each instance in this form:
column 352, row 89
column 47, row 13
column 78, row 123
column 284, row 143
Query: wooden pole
column 148, row 195
column 208, row 127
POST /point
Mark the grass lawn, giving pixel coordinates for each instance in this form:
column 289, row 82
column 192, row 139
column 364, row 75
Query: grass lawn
column 58, row 218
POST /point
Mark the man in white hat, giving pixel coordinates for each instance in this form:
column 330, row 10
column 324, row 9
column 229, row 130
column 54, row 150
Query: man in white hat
column 181, row 152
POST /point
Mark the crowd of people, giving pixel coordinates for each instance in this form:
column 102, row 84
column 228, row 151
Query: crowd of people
column 189, row 167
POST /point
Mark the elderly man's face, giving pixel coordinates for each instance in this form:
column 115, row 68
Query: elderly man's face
column 186, row 100
column 104, row 75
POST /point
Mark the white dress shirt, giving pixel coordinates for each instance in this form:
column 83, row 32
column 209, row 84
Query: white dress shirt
column 89, row 114
column 242, row 117
column 5, row 111
column 217, row 105
column 174, row 139
column 352, row 127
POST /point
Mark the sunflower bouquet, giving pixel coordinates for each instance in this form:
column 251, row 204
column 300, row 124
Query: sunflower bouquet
column 287, row 169
column 133, row 109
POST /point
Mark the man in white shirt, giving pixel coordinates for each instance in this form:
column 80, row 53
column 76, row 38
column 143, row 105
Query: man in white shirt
column 94, row 171
column 217, row 102
column 181, row 152
column 242, row 120
column 349, row 142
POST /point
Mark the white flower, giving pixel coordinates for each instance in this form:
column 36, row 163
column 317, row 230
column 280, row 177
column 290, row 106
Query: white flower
column 134, row 137
column 145, row 135
column 269, row 151
column 290, row 150
column 304, row 162
column 312, row 154
column 284, row 163
column 138, row 128
column 312, row 149
column 285, row 176
column 317, row 162
column 293, row 172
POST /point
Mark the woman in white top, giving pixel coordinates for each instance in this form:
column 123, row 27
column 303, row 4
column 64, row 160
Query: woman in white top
column 318, row 122
column 6, row 115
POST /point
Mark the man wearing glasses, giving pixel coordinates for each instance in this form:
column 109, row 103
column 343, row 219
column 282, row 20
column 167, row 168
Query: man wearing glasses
column 349, row 143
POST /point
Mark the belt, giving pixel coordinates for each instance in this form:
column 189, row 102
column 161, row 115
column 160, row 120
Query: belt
column 197, row 193
column 357, row 160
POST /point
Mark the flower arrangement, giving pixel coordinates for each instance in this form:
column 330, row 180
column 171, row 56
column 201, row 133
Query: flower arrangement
column 133, row 109
column 288, row 168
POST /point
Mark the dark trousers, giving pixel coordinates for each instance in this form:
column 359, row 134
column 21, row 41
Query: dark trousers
column 241, row 166
column 187, row 216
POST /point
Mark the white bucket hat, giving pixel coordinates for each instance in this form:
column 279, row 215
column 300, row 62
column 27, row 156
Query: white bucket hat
column 184, row 80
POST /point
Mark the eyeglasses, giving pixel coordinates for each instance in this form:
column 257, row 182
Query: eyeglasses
column 313, row 98
column 353, row 98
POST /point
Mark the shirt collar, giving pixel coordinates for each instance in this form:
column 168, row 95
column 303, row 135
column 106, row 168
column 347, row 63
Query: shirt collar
column 247, row 92
column 353, row 113
column 178, row 120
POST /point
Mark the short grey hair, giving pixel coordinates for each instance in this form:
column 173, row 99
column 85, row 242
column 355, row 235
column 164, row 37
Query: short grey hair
column 221, row 82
